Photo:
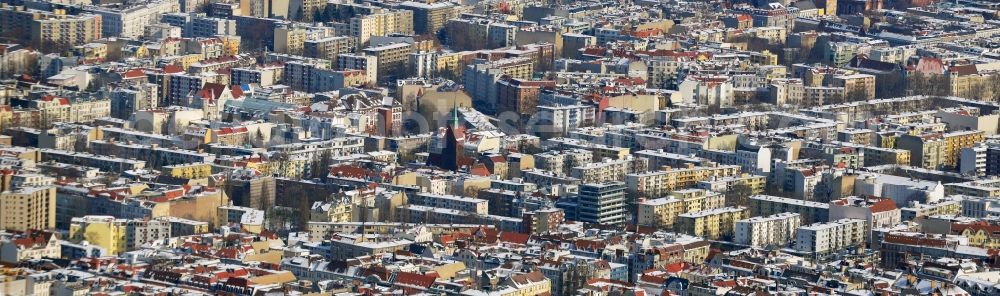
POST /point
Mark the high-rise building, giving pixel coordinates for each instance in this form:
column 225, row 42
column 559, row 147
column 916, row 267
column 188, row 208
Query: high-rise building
column 28, row 208
column 381, row 24
column 429, row 18
column 602, row 203
column 50, row 30
column 131, row 21
column 391, row 58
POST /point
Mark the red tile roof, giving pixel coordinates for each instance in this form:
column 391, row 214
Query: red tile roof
column 413, row 279
column 883, row 205
column 134, row 73
column 515, row 237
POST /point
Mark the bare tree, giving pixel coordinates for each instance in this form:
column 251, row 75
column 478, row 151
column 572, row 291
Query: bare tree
column 739, row 195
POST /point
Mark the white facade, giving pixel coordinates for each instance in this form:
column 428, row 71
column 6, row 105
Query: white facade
column 775, row 230
column 711, row 90
column 821, row 238
column 564, row 118
column 902, row 190
column 972, row 161
column 131, row 22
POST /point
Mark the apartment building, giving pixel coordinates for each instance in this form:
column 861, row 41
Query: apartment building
column 345, row 246
column 247, row 189
column 451, row 202
column 708, row 90
column 151, row 154
column 604, row 171
column 967, row 118
column 117, row 235
column 113, row 164
column 328, row 48
column 756, row 184
column 481, row 77
column 182, row 86
column 559, row 120
column 543, row 220
column 927, row 151
column 249, row 219
column 59, row 29
column 131, row 21
column 429, row 18
column 917, row 211
column 765, row 231
column 602, row 203
column 573, row 43
column 659, row 183
column 262, row 75
column 55, row 109
column 211, row 27
column 662, row 212
column 883, row 156
column 360, row 62
column 828, row 237
column 561, row 162
column 30, row 245
column 28, row 208
column 978, row 188
column 958, row 140
column 323, row 80
column 786, row 91
column 809, row 211
column 712, row 224
column 383, row 23
column 876, row 212
column 860, row 86
column 519, row 95
column 391, row 59
column 289, row 39
column 820, row 95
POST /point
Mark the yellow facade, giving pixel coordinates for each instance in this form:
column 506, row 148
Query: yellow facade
column 200, row 207
column 883, row 156
column 981, row 238
column 189, row 171
column 31, row 208
column 335, row 212
column 711, row 224
column 659, row 183
column 104, row 232
column 449, row 65
column 230, row 45
column 955, row 141
column 696, row 254
column 662, row 212
column 974, row 86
